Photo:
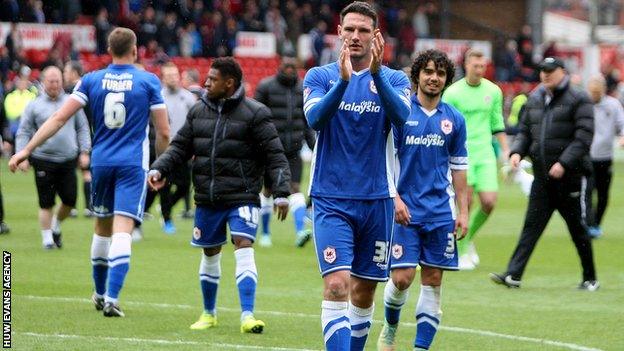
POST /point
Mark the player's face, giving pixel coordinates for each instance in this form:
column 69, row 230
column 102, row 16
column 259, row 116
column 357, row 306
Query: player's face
column 431, row 79
column 216, row 85
column 357, row 30
column 475, row 67
column 171, row 77
column 553, row 78
column 53, row 83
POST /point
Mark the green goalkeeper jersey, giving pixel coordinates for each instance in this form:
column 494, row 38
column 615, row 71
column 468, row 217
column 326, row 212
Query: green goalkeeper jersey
column 482, row 107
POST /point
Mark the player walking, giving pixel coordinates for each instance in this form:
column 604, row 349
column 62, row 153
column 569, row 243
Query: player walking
column 353, row 103
column 121, row 98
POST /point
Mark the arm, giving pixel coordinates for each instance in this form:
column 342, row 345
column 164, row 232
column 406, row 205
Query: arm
column 497, row 123
column 161, row 124
column 396, row 105
column 84, row 138
column 319, row 106
column 619, row 121
column 49, row 128
column 461, row 197
column 320, row 110
column 572, row 155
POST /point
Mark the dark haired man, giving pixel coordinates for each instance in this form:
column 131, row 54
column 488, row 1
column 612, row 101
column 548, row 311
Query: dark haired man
column 353, row 104
column 431, row 146
column 121, row 99
column 231, row 140
column 283, row 94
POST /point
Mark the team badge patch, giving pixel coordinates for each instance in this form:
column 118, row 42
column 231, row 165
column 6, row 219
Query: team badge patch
column 397, row 251
column 329, row 254
column 447, row 126
column 407, row 92
column 196, row 233
column 487, row 99
column 306, row 93
column 372, row 87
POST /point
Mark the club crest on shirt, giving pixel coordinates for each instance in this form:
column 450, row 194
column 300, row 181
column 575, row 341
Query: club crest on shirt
column 372, row 87
column 447, row 126
column 407, row 92
column 306, row 93
column 196, row 233
column 487, row 99
column 329, row 254
column 397, row 251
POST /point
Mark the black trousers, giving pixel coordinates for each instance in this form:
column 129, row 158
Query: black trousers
column 566, row 196
column 181, row 178
column 600, row 182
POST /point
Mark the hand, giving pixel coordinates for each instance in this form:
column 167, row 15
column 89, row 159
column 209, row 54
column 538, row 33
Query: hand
column 556, row 171
column 345, row 62
column 461, row 226
column 377, row 50
column 83, row 160
column 621, row 141
column 17, row 159
column 514, row 161
column 154, row 180
column 401, row 213
column 504, row 156
column 280, row 207
column 7, row 148
column 24, row 166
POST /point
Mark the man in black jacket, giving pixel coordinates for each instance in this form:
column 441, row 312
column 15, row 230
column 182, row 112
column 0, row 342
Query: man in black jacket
column 556, row 131
column 232, row 140
column 283, row 94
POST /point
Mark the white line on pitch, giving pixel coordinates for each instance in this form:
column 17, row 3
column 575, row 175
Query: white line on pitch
column 569, row 346
column 160, row 341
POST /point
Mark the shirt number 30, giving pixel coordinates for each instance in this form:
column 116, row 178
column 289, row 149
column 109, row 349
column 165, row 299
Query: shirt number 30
column 114, row 110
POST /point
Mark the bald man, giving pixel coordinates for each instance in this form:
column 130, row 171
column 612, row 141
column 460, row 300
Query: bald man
column 55, row 160
column 608, row 124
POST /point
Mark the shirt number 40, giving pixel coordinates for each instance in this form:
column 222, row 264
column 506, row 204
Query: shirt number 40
column 114, row 110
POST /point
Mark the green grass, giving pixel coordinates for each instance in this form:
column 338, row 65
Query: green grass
column 51, row 310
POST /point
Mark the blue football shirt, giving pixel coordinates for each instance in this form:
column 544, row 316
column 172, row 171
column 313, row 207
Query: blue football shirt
column 429, row 146
column 120, row 98
column 354, row 153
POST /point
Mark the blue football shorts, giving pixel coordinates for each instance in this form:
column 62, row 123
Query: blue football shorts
column 353, row 235
column 118, row 190
column 428, row 244
column 210, row 224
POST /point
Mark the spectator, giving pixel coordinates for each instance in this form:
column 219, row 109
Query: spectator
column 14, row 44
column 507, row 62
column 317, row 41
column 102, row 28
column 420, row 22
column 276, row 24
column 308, row 18
column 168, row 36
column 406, row 37
column 294, row 23
column 147, row 27
column 251, row 20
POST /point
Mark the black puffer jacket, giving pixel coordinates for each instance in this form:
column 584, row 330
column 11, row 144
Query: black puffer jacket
column 232, row 143
column 284, row 96
column 561, row 131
